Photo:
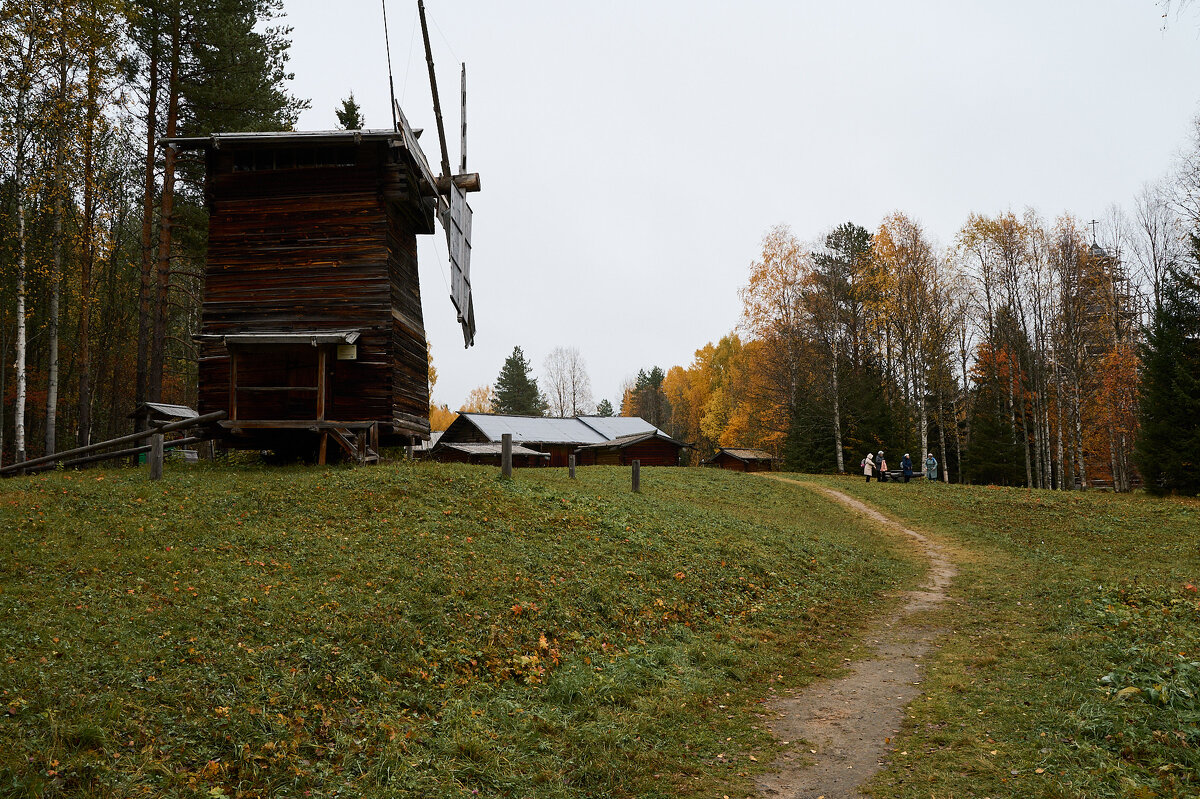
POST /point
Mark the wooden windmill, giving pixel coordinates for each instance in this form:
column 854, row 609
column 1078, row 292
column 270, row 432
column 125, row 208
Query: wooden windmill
column 312, row 329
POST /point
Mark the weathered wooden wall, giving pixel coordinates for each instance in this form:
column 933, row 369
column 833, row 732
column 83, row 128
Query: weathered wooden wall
column 317, row 248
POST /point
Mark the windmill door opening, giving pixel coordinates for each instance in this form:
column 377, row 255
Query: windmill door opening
column 285, row 382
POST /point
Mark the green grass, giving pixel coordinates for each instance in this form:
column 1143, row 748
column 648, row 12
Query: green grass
column 1071, row 662
column 415, row 630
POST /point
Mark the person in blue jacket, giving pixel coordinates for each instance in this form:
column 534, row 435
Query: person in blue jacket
column 906, row 465
column 931, row 465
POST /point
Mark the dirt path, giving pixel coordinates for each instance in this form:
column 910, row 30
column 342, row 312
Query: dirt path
column 841, row 729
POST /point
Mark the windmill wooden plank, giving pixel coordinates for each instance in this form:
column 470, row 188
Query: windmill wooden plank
column 315, row 234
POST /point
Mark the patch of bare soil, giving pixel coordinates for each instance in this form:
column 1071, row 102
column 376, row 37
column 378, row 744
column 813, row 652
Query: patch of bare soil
column 841, row 730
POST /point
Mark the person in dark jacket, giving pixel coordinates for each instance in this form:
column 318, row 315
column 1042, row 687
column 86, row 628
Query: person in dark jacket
column 881, row 467
column 906, row 465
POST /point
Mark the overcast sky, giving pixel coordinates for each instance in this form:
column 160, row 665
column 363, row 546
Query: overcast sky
column 633, row 154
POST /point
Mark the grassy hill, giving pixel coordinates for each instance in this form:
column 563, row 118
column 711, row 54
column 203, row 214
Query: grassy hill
column 1072, row 663
column 423, row 630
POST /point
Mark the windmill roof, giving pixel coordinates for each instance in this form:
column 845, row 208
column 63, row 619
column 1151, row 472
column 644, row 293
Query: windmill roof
column 285, row 137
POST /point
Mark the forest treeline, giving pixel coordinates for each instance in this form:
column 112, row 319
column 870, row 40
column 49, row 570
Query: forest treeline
column 102, row 231
column 1049, row 354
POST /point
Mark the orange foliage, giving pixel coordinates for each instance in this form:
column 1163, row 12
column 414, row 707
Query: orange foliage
column 479, row 400
column 441, row 417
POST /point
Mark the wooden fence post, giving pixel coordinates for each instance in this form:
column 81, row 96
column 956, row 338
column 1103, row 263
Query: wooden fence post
column 506, row 456
column 637, row 477
column 156, row 456
column 571, row 466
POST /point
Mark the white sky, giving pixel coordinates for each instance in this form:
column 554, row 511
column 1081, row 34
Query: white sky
column 633, row 154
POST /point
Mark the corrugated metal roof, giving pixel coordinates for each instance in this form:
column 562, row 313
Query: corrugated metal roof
column 492, row 449
column 173, row 411
column 535, row 429
column 634, row 438
column 425, row 446
column 617, row 426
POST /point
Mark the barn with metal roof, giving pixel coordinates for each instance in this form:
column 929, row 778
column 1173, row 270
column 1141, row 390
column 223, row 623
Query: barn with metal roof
column 558, row 437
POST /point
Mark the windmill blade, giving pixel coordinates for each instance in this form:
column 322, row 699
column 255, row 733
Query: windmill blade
column 458, row 235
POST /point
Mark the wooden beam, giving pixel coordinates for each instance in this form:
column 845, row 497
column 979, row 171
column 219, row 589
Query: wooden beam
column 322, row 354
column 468, row 182
column 315, row 425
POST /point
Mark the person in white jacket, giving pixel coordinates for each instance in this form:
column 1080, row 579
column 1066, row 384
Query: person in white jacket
column 868, row 466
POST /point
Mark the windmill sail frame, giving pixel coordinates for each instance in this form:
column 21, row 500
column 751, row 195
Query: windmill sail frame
column 458, row 238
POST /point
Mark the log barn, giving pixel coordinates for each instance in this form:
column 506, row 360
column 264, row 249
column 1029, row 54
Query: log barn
column 595, row 439
column 651, row 448
column 742, row 460
column 312, row 330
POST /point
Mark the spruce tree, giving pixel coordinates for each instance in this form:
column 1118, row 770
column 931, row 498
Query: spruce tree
column 1168, row 447
column 604, row 408
column 350, row 114
column 516, row 388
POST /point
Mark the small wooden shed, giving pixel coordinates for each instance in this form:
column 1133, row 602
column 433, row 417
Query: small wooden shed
column 652, row 448
column 312, row 326
column 742, row 460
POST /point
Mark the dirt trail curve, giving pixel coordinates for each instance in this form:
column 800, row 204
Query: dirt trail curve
column 848, row 722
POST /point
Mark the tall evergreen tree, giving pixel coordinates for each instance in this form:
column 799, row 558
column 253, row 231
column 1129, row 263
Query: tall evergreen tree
column 604, row 408
column 517, row 389
column 1168, row 449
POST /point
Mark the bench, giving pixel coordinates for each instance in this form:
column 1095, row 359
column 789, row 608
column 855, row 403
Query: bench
column 897, row 475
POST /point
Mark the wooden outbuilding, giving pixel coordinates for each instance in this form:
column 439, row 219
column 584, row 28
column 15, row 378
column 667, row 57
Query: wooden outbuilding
column 312, row 328
column 652, row 448
column 559, row 438
column 742, row 460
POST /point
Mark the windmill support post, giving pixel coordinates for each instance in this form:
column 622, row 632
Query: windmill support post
column 637, row 477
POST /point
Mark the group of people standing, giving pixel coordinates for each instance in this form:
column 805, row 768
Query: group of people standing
column 876, row 466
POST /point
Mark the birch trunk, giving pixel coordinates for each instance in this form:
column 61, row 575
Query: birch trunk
column 19, row 404
column 837, row 416
column 52, row 325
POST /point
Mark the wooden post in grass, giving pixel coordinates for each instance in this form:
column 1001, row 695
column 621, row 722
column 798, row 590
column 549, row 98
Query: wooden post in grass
column 637, row 477
column 571, row 465
column 506, row 456
column 156, row 456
